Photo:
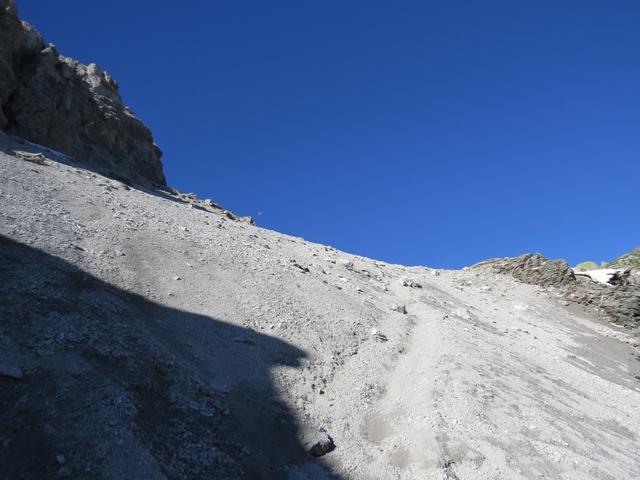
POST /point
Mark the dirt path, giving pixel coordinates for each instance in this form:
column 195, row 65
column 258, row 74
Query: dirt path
column 506, row 389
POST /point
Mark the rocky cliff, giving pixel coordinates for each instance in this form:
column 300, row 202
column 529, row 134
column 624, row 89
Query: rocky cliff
column 56, row 101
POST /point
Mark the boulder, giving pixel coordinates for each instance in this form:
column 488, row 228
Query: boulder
column 536, row 269
column 400, row 308
column 318, row 443
column 405, row 282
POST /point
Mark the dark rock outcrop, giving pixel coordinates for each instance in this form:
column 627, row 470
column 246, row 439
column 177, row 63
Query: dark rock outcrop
column 58, row 102
column 537, row 270
column 620, row 302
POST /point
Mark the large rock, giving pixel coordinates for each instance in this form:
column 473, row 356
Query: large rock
column 537, row 270
column 58, row 102
column 318, row 443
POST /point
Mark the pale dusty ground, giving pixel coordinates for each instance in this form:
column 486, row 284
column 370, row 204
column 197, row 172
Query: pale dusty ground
column 483, row 378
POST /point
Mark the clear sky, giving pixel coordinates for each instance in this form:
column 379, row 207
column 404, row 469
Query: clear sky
column 438, row 133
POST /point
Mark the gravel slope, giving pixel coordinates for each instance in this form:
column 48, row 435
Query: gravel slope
column 141, row 337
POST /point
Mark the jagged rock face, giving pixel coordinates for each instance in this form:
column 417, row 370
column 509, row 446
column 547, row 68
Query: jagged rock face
column 621, row 303
column 58, row 102
column 18, row 42
column 537, row 270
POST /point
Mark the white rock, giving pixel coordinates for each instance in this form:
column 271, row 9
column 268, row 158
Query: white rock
column 398, row 307
column 378, row 336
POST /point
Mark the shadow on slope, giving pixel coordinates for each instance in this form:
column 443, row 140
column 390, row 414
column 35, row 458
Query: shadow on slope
column 123, row 387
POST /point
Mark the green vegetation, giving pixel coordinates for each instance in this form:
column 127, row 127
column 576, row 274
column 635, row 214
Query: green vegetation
column 584, row 266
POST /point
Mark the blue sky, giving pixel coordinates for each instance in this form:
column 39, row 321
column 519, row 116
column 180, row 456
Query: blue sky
column 438, row 133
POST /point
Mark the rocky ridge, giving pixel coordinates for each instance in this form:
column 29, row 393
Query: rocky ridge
column 628, row 260
column 58, row 102
column 618, row 301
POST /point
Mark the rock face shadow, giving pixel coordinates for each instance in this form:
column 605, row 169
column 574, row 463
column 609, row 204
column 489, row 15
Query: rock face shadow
column 116, row 386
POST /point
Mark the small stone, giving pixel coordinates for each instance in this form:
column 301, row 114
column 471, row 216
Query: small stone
column 398, row 307
column 11, row 371
column 378, row 336
column 229, row 215
column 347, row 264
column 210, row 203
column 37, row 158
column 60, row 459
column 177, row 278
column 319, row 443
column 298, row 266
column 170, row 190
column 410, row 283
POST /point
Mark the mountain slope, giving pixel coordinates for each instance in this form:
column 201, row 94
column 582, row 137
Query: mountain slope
column 628, row 260
column 143, row 337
